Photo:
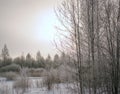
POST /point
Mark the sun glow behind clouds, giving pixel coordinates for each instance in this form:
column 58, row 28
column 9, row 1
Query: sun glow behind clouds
column 45, row 25
column 44, row 31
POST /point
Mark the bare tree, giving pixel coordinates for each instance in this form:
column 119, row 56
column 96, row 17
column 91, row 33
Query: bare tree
column 93, row 34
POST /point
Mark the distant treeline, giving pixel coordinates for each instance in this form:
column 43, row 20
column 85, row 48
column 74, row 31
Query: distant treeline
column 9, row 64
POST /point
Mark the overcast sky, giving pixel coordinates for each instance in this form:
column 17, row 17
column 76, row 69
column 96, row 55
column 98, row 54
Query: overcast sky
column 28, row 26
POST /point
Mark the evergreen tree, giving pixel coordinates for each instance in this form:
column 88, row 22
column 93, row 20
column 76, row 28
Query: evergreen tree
column 56, row 61
column 5, row 53
column 40, row 60
column 48, row 62
column 29, row 61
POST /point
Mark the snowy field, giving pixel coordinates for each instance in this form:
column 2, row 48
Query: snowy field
column 35, row 88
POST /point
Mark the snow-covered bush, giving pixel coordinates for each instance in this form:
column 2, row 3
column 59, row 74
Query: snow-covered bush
column 9, row 75
column 36, row 72
column 11, row 67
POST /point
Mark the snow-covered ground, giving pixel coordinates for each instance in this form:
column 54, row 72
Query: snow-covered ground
column 36, row 87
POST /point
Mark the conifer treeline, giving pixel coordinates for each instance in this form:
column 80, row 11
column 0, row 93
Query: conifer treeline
column 13, row 64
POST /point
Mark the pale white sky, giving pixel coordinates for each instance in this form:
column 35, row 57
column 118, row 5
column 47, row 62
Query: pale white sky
column 28, row 26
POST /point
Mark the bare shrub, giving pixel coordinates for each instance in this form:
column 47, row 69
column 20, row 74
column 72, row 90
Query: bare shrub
column 22, row 83
column 66, row 74
column 48, row 81
column 38, row 84
column 5, row 90
column 51, row 78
